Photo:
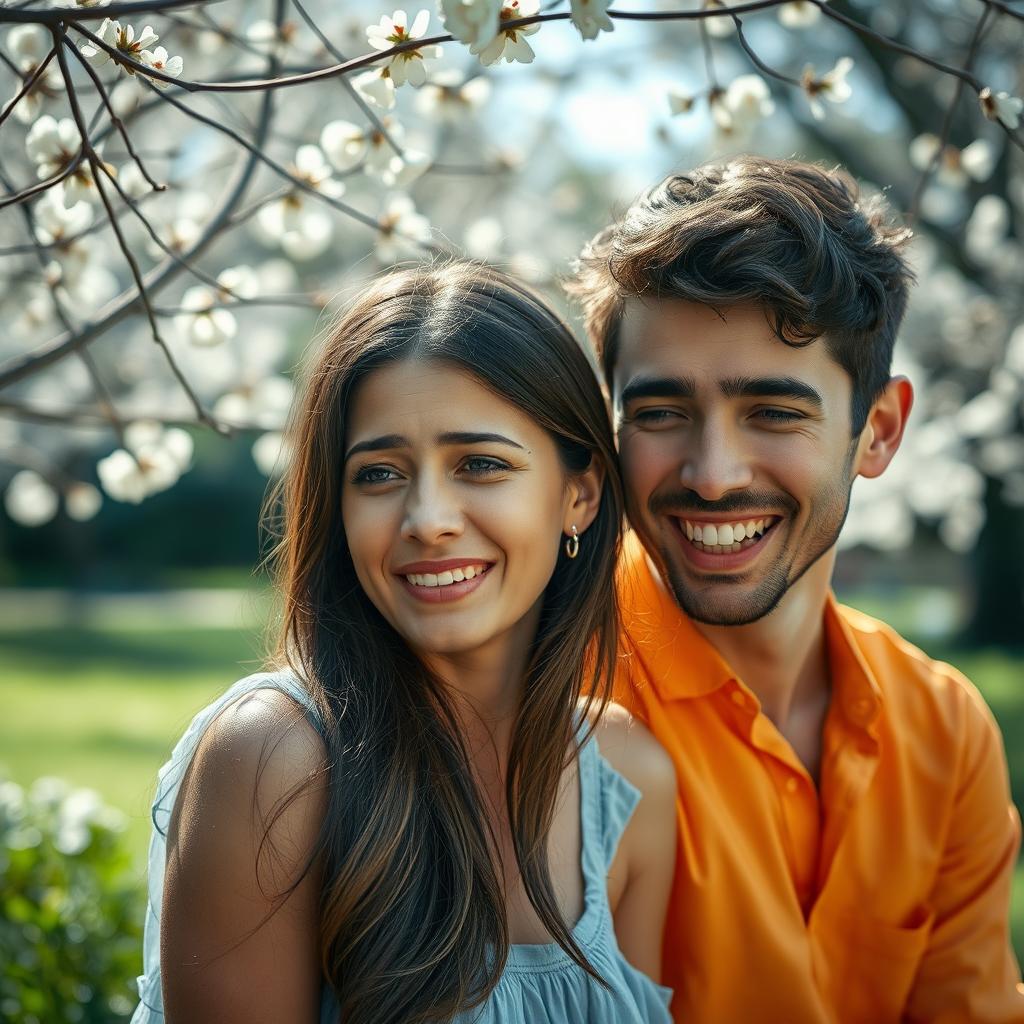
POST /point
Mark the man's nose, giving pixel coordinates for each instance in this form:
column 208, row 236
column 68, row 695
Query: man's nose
column 717, row 464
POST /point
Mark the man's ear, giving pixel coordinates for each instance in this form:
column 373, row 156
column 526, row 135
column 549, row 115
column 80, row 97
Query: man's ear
column 884, row 428
column 584, row 498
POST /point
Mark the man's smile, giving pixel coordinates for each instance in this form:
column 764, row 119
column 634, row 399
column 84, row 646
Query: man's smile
column 723, row 544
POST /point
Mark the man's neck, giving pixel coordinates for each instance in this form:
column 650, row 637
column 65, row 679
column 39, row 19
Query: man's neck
column 783, row 657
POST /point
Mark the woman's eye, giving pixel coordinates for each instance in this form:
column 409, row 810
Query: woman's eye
column 482, row 466
column 779, row 415
column 374, row 475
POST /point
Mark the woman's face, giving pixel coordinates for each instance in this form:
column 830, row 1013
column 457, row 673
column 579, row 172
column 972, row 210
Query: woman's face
column 454, row 505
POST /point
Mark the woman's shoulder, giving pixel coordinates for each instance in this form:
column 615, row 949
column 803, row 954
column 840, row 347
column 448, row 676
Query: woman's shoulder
column 262, row 740
column 632, row 750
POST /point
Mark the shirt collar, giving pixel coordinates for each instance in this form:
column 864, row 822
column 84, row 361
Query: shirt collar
column 685, row 663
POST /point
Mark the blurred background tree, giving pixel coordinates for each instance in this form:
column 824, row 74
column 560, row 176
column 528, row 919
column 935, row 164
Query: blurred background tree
column 152, row 331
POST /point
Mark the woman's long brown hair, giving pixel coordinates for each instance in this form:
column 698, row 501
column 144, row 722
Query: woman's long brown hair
column 413, row 923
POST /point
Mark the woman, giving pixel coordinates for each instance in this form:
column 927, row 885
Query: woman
column 408, row 819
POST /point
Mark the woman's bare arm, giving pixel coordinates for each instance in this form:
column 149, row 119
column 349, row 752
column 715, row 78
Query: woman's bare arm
column 233, row 951
column 640, row 879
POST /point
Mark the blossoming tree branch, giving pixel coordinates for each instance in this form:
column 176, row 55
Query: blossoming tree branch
column 186, row 183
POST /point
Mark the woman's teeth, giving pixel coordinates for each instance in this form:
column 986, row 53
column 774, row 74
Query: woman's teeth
column 725, row 538
column 445, row 579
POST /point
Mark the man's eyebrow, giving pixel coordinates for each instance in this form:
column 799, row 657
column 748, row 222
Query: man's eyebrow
column 770, row 387
column 451, row 437
column 658, row 387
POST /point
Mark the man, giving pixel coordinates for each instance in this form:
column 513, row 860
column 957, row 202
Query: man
column 846, row 835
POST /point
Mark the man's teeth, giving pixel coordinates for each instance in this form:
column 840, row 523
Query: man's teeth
column 444, row 579
column 720, row 538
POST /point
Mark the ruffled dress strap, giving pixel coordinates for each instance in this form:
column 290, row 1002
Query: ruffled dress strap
column 150, row 1008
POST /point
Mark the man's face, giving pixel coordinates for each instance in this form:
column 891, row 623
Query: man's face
column 736, row 453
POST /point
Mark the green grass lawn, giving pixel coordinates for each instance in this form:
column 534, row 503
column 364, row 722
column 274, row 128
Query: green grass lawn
column 102, row 708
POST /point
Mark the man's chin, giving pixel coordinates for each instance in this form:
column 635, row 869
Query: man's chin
column 726, row 602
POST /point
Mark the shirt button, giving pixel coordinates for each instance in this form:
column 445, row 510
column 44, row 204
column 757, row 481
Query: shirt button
column 791, row 785
column 861, row 708
column 739, row 698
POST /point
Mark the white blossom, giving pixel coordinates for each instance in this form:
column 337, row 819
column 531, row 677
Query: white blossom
column 346, row 145
column 296, row 222
column 270, row 452
column 55, row 222
column 28, row 45
column 400, row 228
column 483, row 238
column 680, row 102
column 266, row 37
column 301, row 229
column 1002, row 107
column 159, row 61
column 82, row 501
column 473, row 22
column 123, row 39
column 510, row 44
column 409, row 65
column 154, row 461
column 203, row 322
column 955, row 167
column 831, row 86
column 376, row 87
column 132, row 180
column 719, row 27
column 747, row 100
column 264, row 402
column 591, row 17
column 29, row 499
column 450, row 97
column 799, row 14
column 720, row 112
column 51, row 144
column 403, row 170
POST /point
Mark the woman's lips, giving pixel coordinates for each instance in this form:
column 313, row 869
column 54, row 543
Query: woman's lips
column 444, row 580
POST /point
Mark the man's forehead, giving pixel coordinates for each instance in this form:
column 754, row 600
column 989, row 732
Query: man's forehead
column 674, row 338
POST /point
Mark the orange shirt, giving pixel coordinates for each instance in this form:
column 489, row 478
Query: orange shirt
column 882, row 896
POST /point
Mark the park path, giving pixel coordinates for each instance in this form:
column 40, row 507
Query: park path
column 211, row 608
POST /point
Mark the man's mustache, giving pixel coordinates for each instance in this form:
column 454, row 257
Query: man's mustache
column 680, row 502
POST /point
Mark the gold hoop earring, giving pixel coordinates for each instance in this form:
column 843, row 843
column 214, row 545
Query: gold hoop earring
column 572, row 544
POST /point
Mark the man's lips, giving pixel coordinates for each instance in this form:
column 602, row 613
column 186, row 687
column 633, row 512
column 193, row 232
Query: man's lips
column 718, row 542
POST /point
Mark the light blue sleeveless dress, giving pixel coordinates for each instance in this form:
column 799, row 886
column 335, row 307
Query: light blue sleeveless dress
column 540, row 984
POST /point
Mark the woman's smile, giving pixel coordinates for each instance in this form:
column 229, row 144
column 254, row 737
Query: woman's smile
column 447, row 579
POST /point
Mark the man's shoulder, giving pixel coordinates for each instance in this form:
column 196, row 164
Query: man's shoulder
column 917, row 689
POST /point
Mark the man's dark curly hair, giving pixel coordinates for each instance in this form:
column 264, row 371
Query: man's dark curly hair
column 788, row 236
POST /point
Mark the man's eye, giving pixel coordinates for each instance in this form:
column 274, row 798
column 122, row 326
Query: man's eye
column 779, row 415
column 374, row 475
column 652, row 417
column 479, row 465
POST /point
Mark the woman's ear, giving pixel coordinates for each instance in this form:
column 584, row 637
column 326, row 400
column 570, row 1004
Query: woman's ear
column 583, row 498
column 884, row 428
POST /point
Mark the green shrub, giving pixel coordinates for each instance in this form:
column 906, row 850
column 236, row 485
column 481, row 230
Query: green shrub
column 71, row 908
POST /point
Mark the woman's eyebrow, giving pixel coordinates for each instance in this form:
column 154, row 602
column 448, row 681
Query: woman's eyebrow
column 377, row 444
column 386, row 442
column 453, row 437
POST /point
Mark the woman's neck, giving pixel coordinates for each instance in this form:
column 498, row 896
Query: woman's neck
column 487, row 684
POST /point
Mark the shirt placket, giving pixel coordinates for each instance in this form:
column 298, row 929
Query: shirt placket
column 796, row 798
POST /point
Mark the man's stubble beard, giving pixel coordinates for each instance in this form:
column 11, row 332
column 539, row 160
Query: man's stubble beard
column 829, row 508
